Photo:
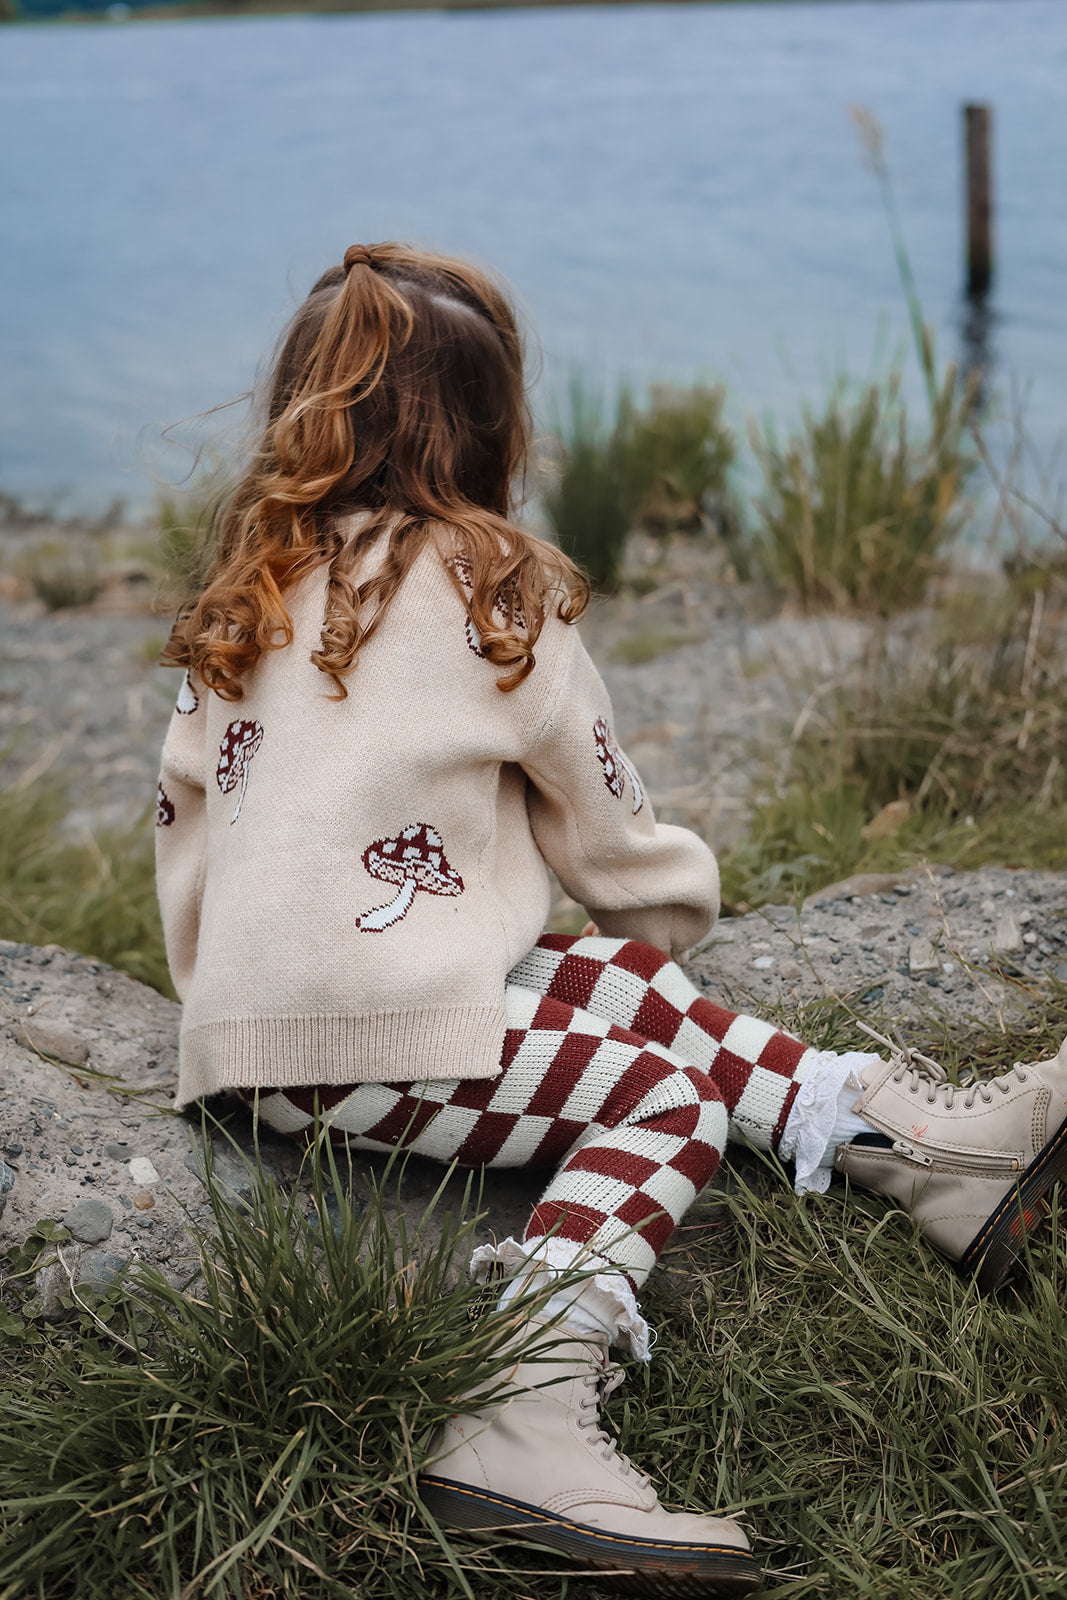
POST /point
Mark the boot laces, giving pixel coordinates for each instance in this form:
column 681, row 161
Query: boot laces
column 924, row 1075
column 600, row 1385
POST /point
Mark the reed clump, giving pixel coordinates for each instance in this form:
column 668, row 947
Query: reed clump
column 662, row 468
column 61, row 579
column 184, row 543
column 856, row 513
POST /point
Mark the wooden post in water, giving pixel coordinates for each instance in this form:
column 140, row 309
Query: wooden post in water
column 977, row 120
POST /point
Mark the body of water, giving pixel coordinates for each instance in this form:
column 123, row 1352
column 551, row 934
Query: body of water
column 675, row 191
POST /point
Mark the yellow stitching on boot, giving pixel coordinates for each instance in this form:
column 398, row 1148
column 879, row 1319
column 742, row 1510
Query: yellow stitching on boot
column 588, row 1532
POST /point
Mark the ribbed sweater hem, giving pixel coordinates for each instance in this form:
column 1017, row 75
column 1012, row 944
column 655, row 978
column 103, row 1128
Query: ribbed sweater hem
column 300, row 1052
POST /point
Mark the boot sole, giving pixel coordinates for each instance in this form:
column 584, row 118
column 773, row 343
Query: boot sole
column 637, row 1566
column 996, row 1247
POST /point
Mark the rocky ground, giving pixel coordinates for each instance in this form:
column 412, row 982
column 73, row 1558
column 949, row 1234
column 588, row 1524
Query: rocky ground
column 703, row 683
column 89, row 1137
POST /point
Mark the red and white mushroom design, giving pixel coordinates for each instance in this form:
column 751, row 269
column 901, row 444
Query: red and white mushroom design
column 239, row 744
column 164, row 808
column 615, row 764
column 188, row 699
column 414, row 860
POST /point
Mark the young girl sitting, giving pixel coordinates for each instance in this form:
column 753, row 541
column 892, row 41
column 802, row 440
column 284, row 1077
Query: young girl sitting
column 387, row 732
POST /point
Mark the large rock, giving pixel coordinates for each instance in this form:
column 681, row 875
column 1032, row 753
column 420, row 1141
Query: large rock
column 109, row 1147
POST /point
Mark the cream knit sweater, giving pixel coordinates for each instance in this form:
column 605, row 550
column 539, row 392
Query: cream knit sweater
column 346, row 884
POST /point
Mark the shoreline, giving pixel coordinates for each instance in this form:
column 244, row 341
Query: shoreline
column 201, row 9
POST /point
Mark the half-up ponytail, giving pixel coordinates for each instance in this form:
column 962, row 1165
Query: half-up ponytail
column 312, row 436
column 398, row 390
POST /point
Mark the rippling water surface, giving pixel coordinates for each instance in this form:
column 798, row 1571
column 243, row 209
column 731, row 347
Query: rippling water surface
column 674, row 191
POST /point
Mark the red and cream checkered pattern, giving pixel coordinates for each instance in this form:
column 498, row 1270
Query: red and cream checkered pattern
column 756, row 1069
column 635, row 1128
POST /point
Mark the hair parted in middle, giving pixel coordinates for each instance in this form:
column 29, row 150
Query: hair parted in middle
column 397, row 390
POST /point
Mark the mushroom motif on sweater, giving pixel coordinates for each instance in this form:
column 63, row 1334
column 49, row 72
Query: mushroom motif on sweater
column 188, row 699
column 164, row 808
column 506, row 609
column 615, row 764
column 239, row 744
column 414, row 860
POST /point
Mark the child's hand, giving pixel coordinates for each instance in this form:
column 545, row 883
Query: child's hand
column 590, row 931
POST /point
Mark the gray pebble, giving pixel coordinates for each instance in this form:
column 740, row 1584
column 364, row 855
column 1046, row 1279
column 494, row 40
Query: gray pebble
column 14, row 1148
column 100, row 1267
column 52, row 1039
column 52, row 1286
column 922, row 958
column 778, row 913
column 230, row 1176
column 1008, row 935
column 90, row 1221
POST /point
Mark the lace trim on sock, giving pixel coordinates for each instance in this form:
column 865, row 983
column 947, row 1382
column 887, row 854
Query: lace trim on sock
column 606, row 1299
column 817, row 1123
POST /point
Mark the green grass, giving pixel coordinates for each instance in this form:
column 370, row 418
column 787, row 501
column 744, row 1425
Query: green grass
column 884, row 1431
column 965, row 721
column 648, row 644
column 258, row 1433
column 92, row 894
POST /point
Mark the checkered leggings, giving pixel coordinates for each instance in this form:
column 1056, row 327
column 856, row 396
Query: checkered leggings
column 616, row 1072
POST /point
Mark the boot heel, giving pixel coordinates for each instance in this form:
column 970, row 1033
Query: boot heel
column 994, row 1250
column 454, row 1506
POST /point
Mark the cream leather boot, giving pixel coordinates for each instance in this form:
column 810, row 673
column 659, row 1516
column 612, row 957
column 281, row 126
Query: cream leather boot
column 971, row 1165
column 537, row 1465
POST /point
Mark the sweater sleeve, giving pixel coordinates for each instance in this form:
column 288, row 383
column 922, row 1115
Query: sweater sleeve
column 181, row 833
column 593, row 822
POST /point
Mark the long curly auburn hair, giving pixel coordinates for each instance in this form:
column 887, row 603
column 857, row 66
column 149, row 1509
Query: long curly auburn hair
column 398, row 392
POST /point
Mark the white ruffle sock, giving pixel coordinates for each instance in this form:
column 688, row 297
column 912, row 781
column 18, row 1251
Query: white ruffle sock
column 822, row 1117
column 603, row 1304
